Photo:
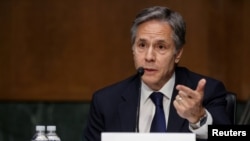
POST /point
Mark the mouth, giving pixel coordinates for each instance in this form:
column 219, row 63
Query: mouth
column 149, row 70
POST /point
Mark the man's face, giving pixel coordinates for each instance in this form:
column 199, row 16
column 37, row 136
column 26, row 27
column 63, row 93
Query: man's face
column 154, row 50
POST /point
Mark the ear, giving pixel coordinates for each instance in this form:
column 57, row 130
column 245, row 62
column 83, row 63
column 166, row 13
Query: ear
column 178, row 55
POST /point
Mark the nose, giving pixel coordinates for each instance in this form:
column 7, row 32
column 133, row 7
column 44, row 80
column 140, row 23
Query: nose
column 150, row 54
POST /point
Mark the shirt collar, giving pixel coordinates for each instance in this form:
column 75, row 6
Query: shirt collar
column 167, row 89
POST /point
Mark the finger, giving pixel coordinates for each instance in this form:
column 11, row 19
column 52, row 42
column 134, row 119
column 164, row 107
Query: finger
column 178, row 98
column 177, row 103
column 188, row 92
column 184, row 95
column 185, row 91
column 182, row 101
column 201, row 85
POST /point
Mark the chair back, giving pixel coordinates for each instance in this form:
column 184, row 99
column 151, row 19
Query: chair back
column 231, row 106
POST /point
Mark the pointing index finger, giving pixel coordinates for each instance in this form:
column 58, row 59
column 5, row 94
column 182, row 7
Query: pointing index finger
column 201, row 85
column 190, row 92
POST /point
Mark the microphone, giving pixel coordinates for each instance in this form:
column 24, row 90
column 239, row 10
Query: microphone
column 140, row 72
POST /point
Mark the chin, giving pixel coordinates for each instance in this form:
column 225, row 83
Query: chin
column 150, row 81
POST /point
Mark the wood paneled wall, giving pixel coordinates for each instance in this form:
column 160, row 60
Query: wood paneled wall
column 60, row 50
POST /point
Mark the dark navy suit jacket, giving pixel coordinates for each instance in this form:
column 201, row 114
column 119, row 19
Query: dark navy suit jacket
column 114, row 108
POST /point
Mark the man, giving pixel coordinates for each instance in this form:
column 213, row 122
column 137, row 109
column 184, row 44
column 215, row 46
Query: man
column 190, row 101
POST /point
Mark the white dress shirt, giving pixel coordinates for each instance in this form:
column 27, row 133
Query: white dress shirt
column 147, row 109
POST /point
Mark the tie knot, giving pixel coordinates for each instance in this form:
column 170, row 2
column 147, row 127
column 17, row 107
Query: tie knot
column 157, row 98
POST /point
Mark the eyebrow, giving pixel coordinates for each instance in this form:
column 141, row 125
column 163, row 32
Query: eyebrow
column 161, row 41
column 142, row 40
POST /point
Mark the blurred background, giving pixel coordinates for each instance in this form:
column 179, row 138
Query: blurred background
column 55, row 53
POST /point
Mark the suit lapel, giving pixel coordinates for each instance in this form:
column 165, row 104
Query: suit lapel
column 175, row 122
column 128, row 107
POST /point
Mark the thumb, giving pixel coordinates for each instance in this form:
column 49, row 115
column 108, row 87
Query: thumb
column 201, row 85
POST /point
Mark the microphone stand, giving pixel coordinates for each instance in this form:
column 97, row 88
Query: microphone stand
column 140, row 72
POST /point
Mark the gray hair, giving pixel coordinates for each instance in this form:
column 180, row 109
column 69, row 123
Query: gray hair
column 174, row 19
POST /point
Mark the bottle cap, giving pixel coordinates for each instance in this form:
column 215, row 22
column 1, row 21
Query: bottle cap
column 40, row 128
column 51, row 128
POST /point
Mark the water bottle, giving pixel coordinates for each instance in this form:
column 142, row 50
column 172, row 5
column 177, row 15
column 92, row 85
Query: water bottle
column 40, row 134
column 51, row 133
